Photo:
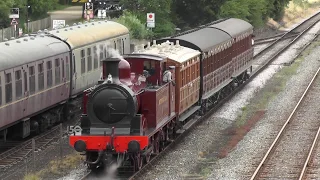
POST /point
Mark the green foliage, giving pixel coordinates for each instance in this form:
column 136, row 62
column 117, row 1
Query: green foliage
column 137, row 28
column 162, row 10
column 38, row 10
column 193, row 13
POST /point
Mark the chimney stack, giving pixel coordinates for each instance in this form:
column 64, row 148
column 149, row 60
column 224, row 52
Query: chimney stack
column 111, row 70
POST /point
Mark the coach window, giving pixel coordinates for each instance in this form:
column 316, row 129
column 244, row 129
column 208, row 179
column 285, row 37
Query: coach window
column 62, row 66
column 123, row 46
column 120, row 45
column 18, row 84
column 115, row 45
column 95, row 58
column 57, row 71
column 40, row 77
column 67, row 68
column 8, row 88
column 101, row 54
column 89, row 59
column 32, row 84
column 49, row 74
column 83, row 62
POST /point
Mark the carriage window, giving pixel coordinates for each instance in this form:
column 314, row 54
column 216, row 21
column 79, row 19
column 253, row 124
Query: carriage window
column 40, row 77
column 62, row 62
column 89, row 59
column 57, row 71
column 123, row 46
column 49, row 74
column 101, row 54
column 95, row 57
column 8, row 88
column 120, row 46
column 32, row 84
column 67, row 68
column 18, row 84
column 83, row 62
column 115, row 45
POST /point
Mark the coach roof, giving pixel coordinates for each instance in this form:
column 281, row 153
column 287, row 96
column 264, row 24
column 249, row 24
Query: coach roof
column 233, row 26
column 90, row 32
column 29, row 49
column 202, row 39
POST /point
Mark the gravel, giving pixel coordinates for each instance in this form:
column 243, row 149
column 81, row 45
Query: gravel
column 240, row 162
column 255, row 142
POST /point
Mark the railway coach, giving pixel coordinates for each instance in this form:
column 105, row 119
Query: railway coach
column 41, row 75
column 133, row 113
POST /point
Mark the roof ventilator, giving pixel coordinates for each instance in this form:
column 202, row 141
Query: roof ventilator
column 74, row 24
column 32, row 38
column 12, row 38
column 18, row 41
column 7, row 44
column 25, row 39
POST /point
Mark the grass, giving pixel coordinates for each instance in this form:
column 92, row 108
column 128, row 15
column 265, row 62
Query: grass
column 57, row 167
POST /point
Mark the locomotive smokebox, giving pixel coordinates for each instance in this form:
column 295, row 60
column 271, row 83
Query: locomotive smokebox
column 111, row 70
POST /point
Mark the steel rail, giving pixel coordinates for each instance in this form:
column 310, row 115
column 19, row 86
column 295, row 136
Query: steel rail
column 311, row 151
column 279, row 135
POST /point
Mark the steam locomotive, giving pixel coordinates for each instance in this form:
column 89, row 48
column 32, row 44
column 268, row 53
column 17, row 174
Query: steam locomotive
column 132, row 114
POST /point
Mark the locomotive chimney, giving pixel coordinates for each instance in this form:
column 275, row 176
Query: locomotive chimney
column 111, row 70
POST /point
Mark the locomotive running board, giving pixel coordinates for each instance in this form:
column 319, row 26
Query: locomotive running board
column 187, row 126
column 188, row 114
column 191, row 122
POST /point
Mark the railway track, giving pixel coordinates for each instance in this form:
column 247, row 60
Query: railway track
column 272, row 38
column 24, row 151
column 275, row 49
column 292, row 150
column 268, row 54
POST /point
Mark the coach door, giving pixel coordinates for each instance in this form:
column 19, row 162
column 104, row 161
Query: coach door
column 25, row 89
column 18, row 92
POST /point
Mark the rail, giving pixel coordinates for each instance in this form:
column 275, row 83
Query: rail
column 281, row 132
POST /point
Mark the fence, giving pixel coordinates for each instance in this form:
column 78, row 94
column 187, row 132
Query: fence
column 34, row 26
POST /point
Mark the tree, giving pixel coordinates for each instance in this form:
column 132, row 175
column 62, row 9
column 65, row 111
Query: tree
column 137, row 29
column 193, row 13
column 162, row 10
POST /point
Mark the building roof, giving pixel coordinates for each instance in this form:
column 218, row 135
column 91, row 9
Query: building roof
column 84, row 34
column 175, row 52
column 29, row 49
column 233, row 26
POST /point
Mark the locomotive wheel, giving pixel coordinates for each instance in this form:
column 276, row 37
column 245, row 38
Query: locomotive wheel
column 137, row 160
column 147, row 158
column 156, row 144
